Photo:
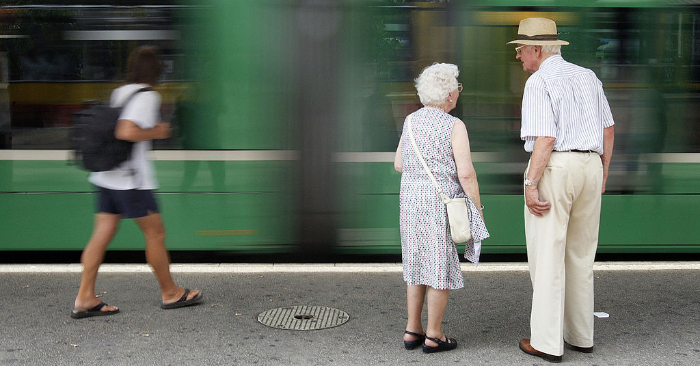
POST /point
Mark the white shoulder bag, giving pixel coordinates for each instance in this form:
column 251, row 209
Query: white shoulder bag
column 457, row 211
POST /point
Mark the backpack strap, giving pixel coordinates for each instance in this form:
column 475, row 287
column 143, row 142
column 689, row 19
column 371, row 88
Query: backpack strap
column 148, row 88
column 126, row 102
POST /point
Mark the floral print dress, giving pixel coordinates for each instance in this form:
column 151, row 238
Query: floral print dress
column 428, row 253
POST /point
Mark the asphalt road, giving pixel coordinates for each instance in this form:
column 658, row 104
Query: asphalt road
column 654, row 318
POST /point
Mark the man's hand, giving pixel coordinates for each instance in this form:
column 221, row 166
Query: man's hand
column 605, row 182
column 532, row 200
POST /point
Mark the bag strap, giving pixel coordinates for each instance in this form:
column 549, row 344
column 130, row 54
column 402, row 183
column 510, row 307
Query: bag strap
column 443, row 196
column 126, row 102
column 133, row 95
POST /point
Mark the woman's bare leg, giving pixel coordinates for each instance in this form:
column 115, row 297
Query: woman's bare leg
column 437, row 302
column 415, row 296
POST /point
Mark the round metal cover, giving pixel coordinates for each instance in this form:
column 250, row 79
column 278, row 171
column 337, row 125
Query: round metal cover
column 303, row 317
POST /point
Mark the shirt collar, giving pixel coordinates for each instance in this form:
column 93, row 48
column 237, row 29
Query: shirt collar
column 553, row 59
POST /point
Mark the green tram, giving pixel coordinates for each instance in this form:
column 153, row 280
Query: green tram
column 287, row 115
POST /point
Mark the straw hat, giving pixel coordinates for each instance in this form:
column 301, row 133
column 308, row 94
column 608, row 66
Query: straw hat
column 538, row 32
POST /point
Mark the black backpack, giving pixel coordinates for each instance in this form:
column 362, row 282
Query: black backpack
column 95, row 147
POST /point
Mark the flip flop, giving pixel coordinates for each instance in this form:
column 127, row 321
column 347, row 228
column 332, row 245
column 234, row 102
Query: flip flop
column 94, row 311
column 183, row 301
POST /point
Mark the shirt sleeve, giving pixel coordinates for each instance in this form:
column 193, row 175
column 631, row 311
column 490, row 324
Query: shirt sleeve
column 537, row 114
column 143, row 109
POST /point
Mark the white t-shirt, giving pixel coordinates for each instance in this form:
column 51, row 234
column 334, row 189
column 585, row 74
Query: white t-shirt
column 137, row 172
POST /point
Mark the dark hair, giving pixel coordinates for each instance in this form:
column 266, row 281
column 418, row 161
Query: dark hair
column 143, row 66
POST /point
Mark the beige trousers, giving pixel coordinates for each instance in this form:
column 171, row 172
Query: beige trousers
column 561, row 247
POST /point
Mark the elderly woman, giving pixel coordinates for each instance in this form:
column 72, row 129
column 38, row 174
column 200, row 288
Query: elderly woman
column 430, row 259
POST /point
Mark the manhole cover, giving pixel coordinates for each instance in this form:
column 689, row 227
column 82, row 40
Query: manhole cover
column 303, row 317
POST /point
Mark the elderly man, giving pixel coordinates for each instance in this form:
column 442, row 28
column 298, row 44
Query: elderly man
column 568, row 128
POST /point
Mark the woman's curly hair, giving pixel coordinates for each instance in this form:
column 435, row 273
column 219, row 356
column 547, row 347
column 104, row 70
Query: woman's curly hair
column 435, row 82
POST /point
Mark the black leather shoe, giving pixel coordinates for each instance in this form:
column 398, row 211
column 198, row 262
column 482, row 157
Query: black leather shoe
column 447, row 345
column 413, row 344
column 580, row 349
column 527, row 348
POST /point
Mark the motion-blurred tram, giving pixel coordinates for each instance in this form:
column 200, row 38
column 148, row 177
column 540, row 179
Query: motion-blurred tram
column 287, row 115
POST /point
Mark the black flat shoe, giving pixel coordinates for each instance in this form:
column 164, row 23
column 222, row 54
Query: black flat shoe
column 577, row 348
column 448, row 345
column 413, row 344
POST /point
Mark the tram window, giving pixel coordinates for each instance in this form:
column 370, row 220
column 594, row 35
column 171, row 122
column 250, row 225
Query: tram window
column 98, row 62
column 55, row 58
column 47, row 64
column 695, row 48
column 4, row 103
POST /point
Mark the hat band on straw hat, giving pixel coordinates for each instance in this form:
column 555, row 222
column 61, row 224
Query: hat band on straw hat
column 544, row 37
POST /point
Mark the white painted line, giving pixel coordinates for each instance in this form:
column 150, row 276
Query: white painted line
column 388, row 157
column 644, row 266
column 166, row 155
column 326, row 268
column 286, row 155
column 121, row 35
column 364, row 157
column 225, row 155
column 683, row 158
column 19, row 155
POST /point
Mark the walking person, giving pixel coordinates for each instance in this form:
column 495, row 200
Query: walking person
column 569, row 129
column 431, row 265
column 127, row 191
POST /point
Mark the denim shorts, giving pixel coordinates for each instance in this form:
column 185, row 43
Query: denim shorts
column 131, row 203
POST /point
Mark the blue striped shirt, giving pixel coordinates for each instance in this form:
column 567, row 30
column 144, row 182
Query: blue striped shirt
column 567, row 102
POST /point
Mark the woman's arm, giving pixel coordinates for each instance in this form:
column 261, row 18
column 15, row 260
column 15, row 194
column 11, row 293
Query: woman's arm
column 463, row 160
column 398, row 165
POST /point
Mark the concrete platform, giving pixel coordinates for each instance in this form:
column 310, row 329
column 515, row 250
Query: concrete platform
column 654, row 310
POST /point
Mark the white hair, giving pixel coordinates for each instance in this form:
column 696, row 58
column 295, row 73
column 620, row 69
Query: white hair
column 552, row 49
column 435, row 82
